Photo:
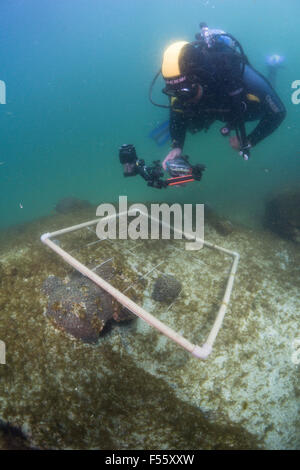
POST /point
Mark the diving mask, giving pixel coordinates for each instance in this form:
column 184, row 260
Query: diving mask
column 187, row 91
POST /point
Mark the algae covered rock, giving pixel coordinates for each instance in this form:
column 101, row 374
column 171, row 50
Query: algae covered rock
column 12, row 438
column 282, row 215
column 166, row 288
column 69, row 204
column 58, row 394
column 80, row 307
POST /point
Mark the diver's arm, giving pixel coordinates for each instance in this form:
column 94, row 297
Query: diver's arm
column 272, row 110
column 268, row 124
column 177, row 129
column 177, row 133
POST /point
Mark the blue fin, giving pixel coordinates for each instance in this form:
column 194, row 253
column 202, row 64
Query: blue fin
column 275, row 60
column 161, row 133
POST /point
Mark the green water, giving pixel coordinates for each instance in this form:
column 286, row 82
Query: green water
column 77, row 74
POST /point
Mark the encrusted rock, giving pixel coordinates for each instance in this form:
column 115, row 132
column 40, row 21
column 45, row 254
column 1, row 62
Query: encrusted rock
column 166, row 288
column 13, row 438
column 80, row 307
column 245, row 396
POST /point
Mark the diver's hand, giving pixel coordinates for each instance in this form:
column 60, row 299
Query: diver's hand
column 235, row 143
column 171, row 155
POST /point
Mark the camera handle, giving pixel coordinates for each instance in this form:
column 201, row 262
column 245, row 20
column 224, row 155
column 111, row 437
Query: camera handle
column 153, row 175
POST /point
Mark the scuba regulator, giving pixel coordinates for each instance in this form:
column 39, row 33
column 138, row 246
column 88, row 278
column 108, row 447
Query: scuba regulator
column 179, row 169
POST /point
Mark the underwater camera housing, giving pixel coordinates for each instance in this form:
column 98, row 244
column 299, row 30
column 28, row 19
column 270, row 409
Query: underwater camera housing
column 128, row 159
column 180, row 170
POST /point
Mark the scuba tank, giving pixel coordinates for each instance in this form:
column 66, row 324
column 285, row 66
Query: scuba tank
column 212, row 37
column 220, row 40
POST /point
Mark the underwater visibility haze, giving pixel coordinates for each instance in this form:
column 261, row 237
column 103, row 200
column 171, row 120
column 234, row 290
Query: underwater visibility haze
column 77, row 76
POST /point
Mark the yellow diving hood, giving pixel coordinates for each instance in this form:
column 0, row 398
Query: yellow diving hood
column 170, row 65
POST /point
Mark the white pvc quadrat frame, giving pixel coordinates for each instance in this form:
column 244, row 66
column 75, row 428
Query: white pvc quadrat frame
column 201, row 352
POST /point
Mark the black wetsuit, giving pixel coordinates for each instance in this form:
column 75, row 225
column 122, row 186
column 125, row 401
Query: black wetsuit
column 229, row 96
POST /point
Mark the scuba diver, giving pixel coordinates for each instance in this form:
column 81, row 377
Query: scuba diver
column 211, row 79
